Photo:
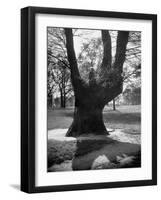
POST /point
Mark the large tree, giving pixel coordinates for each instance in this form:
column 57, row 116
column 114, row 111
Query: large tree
column 92, row 96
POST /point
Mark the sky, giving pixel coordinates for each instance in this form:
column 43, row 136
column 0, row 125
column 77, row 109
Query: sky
column 86, row 35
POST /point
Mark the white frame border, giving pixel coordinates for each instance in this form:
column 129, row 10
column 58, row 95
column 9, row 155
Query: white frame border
column 94, row 176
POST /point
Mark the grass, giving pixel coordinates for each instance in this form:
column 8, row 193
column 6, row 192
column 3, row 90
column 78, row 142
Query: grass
column 60, row 151
column 127, row 118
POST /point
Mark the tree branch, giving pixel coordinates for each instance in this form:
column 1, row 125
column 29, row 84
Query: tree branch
column 122, row 40
column 107, row 57
column 71, row 56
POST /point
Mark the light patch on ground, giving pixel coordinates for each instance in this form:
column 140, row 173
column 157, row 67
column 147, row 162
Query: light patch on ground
column 117, row 134
column 59, row 134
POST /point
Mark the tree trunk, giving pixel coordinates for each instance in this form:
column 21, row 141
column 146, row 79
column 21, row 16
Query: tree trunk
column 64, row 100
column 61, row 99
column 114, row 106
column 87, row 119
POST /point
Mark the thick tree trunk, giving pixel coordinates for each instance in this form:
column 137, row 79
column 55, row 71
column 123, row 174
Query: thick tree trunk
column 87, row 120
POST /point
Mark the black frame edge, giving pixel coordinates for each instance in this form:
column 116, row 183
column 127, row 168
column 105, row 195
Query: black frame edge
column 93, row 186
column 27, row 100
column 24, row 100
column 154, row 99
column 92, row 13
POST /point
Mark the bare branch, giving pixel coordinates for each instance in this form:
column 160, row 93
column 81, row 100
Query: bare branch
column 71, row 56
column 107, row 57
column 132, row 73
column 62, row 61
column 122, row 40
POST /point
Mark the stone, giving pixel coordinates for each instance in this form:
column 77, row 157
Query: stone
column 101, row 162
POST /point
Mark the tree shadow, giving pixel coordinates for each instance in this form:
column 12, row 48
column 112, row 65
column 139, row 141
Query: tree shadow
column 122, row 117
column 89, row 150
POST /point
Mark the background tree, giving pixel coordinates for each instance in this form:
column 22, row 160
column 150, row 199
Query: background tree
column 58, row 67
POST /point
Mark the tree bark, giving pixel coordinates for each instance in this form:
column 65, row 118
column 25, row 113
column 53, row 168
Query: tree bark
column 107, row 56
column 87, row 119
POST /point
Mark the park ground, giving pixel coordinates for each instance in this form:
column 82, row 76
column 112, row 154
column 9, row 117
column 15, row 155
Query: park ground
column 67, row 153
column 124, row 117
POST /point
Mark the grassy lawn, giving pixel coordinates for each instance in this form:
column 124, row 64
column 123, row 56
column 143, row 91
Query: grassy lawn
column 125, row 117
column 58, row 151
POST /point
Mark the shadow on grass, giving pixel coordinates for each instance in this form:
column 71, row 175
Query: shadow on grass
column 85, row 159
column 84, row 152
column 122, row 117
